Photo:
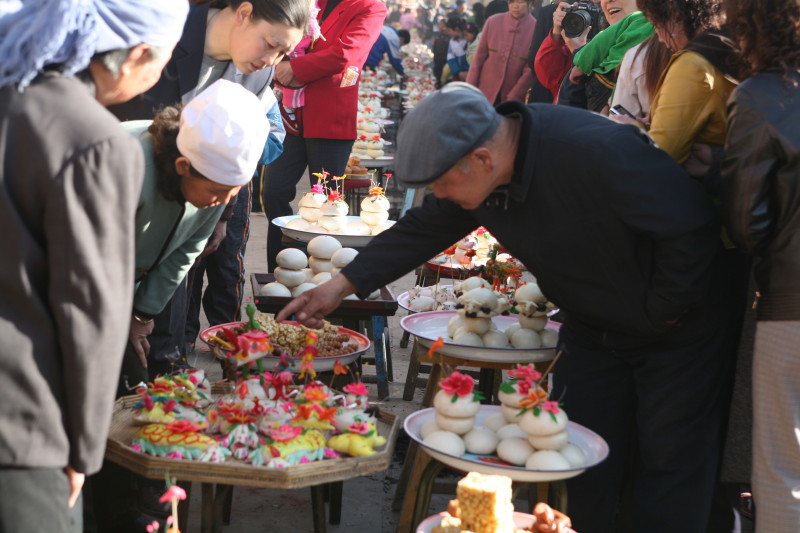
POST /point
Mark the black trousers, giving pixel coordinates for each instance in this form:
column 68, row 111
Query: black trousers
column 283, row 174
column 662, row 409
column 224, row 269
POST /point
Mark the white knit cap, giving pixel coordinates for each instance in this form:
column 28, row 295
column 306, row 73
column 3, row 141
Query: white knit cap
column 223, row 132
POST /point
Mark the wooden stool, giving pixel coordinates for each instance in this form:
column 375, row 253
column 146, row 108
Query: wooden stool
column 415, row 485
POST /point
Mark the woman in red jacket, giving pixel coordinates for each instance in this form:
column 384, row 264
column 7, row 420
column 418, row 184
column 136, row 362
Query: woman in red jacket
column 322, row 132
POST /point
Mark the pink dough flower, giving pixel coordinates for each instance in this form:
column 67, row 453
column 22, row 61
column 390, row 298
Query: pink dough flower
column 356, row 389
column 458, row 384
column 361, row 428
column 551, row 406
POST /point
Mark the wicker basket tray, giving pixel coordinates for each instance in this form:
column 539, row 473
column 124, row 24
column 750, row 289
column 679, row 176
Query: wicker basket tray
column 235, row 472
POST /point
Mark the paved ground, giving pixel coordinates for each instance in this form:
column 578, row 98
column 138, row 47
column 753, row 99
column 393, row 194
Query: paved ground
column 366, row 500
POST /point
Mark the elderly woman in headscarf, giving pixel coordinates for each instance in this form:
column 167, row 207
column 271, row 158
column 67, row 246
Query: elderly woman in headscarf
column 69, row 186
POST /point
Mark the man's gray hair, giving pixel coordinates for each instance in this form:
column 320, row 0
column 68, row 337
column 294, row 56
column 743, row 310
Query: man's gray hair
column 114, row 59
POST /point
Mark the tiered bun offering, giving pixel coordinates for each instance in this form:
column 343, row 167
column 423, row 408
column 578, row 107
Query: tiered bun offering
column 334, row 213
column 530, row 431
column 375, row 210
column 292, row 278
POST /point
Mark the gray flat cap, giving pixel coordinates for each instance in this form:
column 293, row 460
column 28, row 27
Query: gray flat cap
column 444, row 127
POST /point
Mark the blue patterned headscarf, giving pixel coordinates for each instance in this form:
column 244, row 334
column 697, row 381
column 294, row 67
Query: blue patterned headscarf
column 36, row 33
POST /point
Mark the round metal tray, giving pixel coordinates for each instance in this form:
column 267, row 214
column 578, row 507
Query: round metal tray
column 354, row 241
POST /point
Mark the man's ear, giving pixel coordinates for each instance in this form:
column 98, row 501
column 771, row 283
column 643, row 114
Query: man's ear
column 183, row 166
column 484, row 157
column 138, row 54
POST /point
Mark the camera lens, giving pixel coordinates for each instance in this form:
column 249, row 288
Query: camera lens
column 575, row 22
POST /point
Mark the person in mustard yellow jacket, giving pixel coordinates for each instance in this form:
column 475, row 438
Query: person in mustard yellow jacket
column 689, row 104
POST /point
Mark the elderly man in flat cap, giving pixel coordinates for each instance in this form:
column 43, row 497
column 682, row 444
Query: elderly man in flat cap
column 69, row 186
column 623, row 241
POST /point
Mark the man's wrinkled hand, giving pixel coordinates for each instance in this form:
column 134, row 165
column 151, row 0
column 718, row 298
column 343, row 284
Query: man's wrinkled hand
column 138, row 338
column 311, row 307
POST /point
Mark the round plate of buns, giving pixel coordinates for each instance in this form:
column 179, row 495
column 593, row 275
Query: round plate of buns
column 594, row 447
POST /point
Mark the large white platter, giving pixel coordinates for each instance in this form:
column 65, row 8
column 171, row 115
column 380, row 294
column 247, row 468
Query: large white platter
column 354, row 241
column 521, row 520
column 587, row 440
column 431, row 325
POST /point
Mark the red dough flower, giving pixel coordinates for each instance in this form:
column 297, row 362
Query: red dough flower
column 458, row 384
column 334, row 196
column 356, row 389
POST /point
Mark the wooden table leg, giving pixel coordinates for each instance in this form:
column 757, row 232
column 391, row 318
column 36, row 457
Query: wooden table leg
column 380, row 358
column 424, row 492
column 207, row 512
column 318, row 508
column 405, row 473
column 226, row 507
column 183, row 506
column 406, row 525
column 335, row 504
column 220, row 498
column 413, row 371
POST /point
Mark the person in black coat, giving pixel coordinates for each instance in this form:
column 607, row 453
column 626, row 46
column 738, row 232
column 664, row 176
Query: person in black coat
column 623, row 241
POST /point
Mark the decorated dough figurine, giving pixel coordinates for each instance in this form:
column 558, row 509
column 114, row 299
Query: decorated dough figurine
column 178, row 440
column 512, row 392
column 289, row 445
column 456, row 403
column 360, row 440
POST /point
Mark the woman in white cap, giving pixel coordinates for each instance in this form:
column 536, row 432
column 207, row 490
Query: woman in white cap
column 68, row 187
column 196, row 160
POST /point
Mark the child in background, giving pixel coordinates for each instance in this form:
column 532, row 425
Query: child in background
column 457, row 50
column 293, row 98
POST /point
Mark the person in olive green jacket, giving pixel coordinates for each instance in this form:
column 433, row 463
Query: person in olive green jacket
column 196, row 160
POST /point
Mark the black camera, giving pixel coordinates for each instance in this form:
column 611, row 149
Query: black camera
column 581, row 15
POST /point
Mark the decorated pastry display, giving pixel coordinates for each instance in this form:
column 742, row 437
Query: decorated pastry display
column 473, row 252
column 530, row 432
column 324, row 210
column 375, row 210
column 272, row 418
column 476, row 302
column 432, row 298
column 483, row 505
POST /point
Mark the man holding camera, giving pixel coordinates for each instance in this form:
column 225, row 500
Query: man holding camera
column 625, row 247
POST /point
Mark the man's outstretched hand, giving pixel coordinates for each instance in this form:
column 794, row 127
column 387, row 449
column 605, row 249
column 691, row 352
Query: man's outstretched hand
column 311, row 307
